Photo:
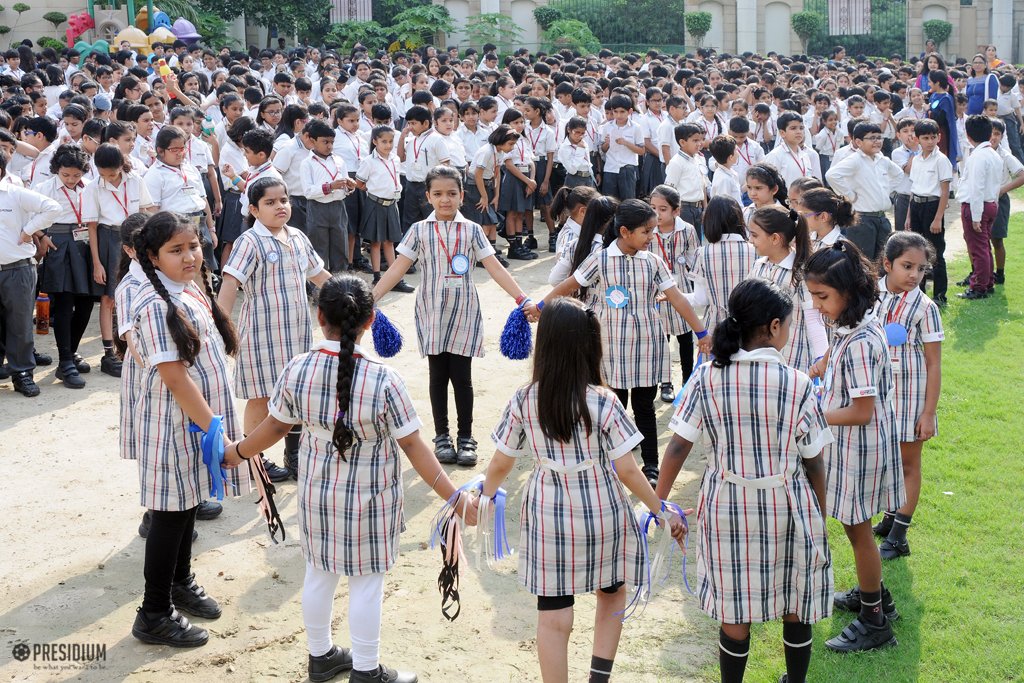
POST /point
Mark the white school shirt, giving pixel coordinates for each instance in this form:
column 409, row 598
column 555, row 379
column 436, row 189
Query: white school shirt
column 232, row 155
column 842, row 153
column 570, row 231
column 352, row 147
column 317, row 171
column 1006, row 102
column 650, row 124
column 791, row 166
column 749, row 153
column 541, row 141
column 108, row 204
column 866, row 180
column 288, row 160
column 25, row 212
column 144, row 150
column 827, row 142
column 888, row 130
column 487, row 157
column 908, row 112
column 264, row 170
column 473, row 140
column 70, row 200
column 619, row 155
column 503, row 105
column 980, row 179
column 667, row 135
column 381, row 176
column 688, row 175
column 928, row 172
column 37, row 171
column 177, row 189
column 456, row 152
column 726, row 183
column 1011, row 166
column 422, row 153
column 900, row 156
column 199, row 154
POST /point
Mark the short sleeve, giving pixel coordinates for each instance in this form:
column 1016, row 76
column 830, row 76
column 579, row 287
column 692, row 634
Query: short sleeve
column 857, row 369
column 688, row 419
column 314, row 264
column 145, row 198
column 619, row 434
column 91, row 203
column 481, row 246
column 283, row 405
column 243, row 260
column 509, row 435
column 930, row 324
column 410, row 244
column 401, row 414
column 363, row 172
column 812, row 432
column 638, row 135
column 662, row 275
column 153, row 339
column 589, row 271
column 152, row 182
column 123, row 307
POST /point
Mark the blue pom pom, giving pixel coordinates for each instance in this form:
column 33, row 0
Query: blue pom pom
column 517, row 337
column 387, row 340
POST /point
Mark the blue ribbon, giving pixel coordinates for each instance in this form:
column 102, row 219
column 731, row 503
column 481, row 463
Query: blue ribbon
column 501, row 546
column 643, row 592
column 213, row 454
column 679, row 397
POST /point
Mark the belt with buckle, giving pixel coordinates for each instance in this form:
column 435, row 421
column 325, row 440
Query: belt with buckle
column 873, row 214
column 62, row 228
column 22, row 263
column 922, row 199
column 581, row 174
column 692, row 205
column 379, row 200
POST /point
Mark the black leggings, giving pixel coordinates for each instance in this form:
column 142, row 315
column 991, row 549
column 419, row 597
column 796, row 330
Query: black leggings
column 71, row 314
column 168, row 556
column 547, row 603
column 646, row 422
column 685, row 354
column 458, row 370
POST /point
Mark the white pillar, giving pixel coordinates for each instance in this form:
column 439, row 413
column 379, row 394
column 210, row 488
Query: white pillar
column 746, row 26
column 236, row 30
column 1002, row 28
column 490, row 6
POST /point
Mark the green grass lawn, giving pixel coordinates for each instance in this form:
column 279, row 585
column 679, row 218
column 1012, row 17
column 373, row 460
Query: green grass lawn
column 961, row 592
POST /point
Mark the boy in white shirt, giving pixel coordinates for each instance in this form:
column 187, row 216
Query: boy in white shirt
column 930, row 173
column 1012, row 178
column 419, row 150
column 574, row 156
column 748, row 152
column 978, row 192
column 901, row 156
column 687, row 173
column 325, row 183
column 790, row 157
column 623, row 141
column 725, row 182
column 676, row 108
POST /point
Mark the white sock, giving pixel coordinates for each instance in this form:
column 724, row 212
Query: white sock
column 317, row 607
column 365, row 602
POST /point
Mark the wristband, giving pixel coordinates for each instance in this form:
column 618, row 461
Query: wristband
column 540, row 305
column 520, row 299
column 326, row 187
column 701, row 334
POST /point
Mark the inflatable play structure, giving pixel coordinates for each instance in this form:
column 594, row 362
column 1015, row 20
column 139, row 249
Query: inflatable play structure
column 116, row 22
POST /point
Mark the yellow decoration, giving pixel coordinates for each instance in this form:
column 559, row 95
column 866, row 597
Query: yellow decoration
column 162, row 35
column 142, row 18
column 135, row 37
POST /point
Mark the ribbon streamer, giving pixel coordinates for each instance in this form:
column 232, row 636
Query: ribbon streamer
column 268, row 509
column 656, row 567
column 212, row 443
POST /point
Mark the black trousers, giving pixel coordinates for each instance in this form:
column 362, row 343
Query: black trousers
column 71, row 315
column 921, row 216
column 646, row 422
column 17, row 304
column 457, row 370
column 686, row 354
column 870, row 234
column 168, row 556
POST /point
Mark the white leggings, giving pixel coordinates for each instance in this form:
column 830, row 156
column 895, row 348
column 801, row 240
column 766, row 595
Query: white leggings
column 365, row 601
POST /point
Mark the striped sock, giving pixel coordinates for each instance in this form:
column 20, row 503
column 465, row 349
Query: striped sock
column 796, row 639
column 898, row 533
column 871, row 607
column 600, row 669
column 732, row 657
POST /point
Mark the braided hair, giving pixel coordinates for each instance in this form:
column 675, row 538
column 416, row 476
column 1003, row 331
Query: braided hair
column 346, row 303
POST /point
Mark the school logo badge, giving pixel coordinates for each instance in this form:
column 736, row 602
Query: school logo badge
column 616, row 296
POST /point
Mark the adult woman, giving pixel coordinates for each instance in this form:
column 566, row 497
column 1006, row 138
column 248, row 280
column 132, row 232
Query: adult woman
column 981, row 85
column 932, row 62
column 993, row 59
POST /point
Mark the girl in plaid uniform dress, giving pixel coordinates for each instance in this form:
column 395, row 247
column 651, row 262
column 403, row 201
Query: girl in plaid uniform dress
column 183, row 339
column 784, row 247
column 723, row 261
column 677, row 243
column 356, row 414
column 271, row 263
column 916, row 369
column 762, row 552
column 130, row 279
column 863, row 465
column 826, row 215
column 600, row 213
column 628, row 280
column 449, row 325
column 578, row 533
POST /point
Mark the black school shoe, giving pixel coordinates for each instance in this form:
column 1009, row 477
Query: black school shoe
column 973, row 294
column 383, row 675
column 966, row 282
column 208, row 510
column 652, row 474
column 1000, row 278
column 24, row 384
column 110, row 365
column 530, row 242
column 147, row 520
column 42, row 359
column 275, row 472
column 444, row 451
column 850, row 601
column 668, row 392
column 467, row 451
column 171, row 629
column 883, row 527
column 861, row 637
column 68, row 373
column 403, row 287
column 891, row 551
column 81, row 364
column 189, row 597
column 327, row 666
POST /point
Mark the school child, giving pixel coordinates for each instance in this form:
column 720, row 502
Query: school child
column 652, row 168
column 183, row 339
column 581, row 440
column 41, row 134
column 325, row 183
column 930, row 176
column 288, row 159
column 106, row 203
column 199, row 153
column 598, row 215
column 677, row 243
column 1011, row 178
column 471, row 131
column 419, row 153
column 65, row 274
column 257, row 148
column 1009, row 111
column 145, row 136
column 915, row 354
column 863, row 463
column 978, row 193
column 749, row 153
column 724, row 260
column 867, row 177
column 828, row 140
column 518, row 183
column 826, row 215
column 449, row 324
column 269, row 112
column 541, row 139
column 73, row 118
column 629, row 280
column 756, row 484
column 232, row 108
column 726, row 181
column 792, row 159
column 378, row 176
column 901, row 156
column 707, row 117
column 765, row 129
column 883, row 118
column 622, row 141
column 687, row 173
column 573, row 202
column 574, row 156
column 233, row 165
column 351, row 143
column 123, row 136
column 130, row 277
column 355, row 413
column 482, row 193
column 765, row 187
column 677, row 111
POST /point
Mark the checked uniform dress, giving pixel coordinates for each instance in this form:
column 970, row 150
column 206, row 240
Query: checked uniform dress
column 172, row 476
column 919, row 315
column 274, row 323
column 721, row 266
column 678, row 249
column 448, row 318
column 350, row 511
column 124, row 297
column 797, row 351
column 633, row 336
column 865, row 472
column 761, row 547
column 577, row 530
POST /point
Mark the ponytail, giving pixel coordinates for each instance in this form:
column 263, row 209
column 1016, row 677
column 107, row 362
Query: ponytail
column 753, row 305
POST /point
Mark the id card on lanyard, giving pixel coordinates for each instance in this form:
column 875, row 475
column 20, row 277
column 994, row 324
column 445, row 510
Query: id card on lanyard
column 79, row 232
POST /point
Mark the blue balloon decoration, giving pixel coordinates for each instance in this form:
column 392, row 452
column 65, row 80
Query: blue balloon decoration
column 387, row 340
column 516, row 337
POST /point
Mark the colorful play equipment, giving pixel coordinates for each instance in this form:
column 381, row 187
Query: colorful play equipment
column 110, row 28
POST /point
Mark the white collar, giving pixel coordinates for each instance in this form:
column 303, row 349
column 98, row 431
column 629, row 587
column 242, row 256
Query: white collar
column 572, row 226
column 614, row 250
column 868, row 318
column 681, row 225
column 172, row 286
column 983, row 145
column 135, row 270
column 830, row 237
column 107, row 186
column 883, row 289
column 763, row 355
column 459, row 218
column 335, row 347
column 786, row 263
column 733, row 237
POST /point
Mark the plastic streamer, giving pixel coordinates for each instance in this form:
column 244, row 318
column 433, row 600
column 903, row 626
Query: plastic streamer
column 679, row 397
column 212, row 443
column 446, row 531
column 816, row 382
column 657, row 566
column 494, row 546
column 387, row 340
column 268, row 509
column 516, row 337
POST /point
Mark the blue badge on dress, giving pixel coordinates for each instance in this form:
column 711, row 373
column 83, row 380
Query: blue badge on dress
column 273, row 257
column 895, row 334
column 460, row 264
column 616, row 296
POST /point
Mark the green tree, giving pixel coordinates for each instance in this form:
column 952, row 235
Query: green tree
column 697, row 25
column 420, row 25
column 628, row 24
column 937, row 30
column 346, row 34
column 287, row 16
column 547, row 15
column 55, row 18
column 493, row 28
column 572, row 34
column 806, row 25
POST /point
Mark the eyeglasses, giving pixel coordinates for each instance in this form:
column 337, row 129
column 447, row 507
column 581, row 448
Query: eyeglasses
column 809, row 214
column 872, row 138
column 176, row 149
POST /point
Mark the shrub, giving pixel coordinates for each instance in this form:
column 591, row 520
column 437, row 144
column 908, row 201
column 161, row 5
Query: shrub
column 573, row 35
column 546, row 15
column 697, row 25
column 938, row 30
column 806, row 25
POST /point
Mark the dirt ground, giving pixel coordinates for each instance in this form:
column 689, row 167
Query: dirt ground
column 71, row 564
